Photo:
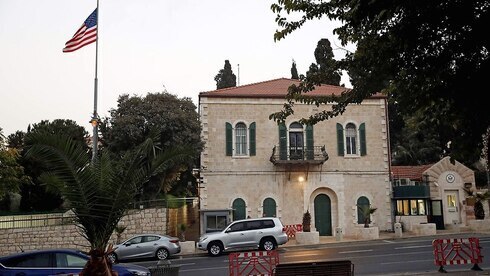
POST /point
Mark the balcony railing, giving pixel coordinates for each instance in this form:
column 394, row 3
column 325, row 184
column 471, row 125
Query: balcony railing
column 318, row 155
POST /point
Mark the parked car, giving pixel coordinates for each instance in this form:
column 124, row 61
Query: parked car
column 145, row 246
column 57, row 262
column 261, row 233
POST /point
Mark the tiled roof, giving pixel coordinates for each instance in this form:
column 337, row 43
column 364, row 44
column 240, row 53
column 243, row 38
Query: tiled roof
column 411, row 172
column 277, row 88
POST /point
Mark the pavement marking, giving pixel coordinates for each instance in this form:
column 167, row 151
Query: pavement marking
column 355, row 251
column 387, row 241
column 210, row 268
column 413, row 246
column 415, row 261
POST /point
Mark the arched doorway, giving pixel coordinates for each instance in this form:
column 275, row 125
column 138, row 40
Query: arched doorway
column 323, row 215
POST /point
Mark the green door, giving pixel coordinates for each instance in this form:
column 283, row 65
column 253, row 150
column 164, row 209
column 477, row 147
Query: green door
column 323, row 215
column 269, row 207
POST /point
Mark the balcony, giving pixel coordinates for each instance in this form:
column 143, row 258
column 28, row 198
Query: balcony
column 301, row 156
column 411, row 191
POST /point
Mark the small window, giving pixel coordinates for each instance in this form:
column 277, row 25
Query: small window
column 254, row 224
column 239, row 226
column 33, row 260
column 215, row 222
column 135, row 240
column 268, row 223
column 351, row 139
column 68, row 260
column 241, row 139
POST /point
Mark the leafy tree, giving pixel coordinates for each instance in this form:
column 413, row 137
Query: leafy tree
column 418, row 143
column 326, row 70
column 11, row 172
column 426, row 55
column 176, row 121
column 16, row 140
column 99, row 191
column 35, row 196
column 294, row 71
column 225, row 78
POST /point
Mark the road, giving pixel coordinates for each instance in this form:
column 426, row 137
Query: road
column 374, row 257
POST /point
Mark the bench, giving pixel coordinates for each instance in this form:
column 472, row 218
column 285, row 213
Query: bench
column 330, row 268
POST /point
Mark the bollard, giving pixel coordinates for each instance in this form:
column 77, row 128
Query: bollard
column 398, row 230
column 339, row 235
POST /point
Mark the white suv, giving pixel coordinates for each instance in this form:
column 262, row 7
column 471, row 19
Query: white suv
column 262, row 233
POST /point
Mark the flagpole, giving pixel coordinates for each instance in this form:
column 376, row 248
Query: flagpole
column 95, row 117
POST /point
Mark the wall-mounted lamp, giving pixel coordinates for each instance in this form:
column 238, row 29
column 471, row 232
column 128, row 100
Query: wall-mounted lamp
column 301, row 179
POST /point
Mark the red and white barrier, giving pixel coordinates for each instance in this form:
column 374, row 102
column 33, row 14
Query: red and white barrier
column 457, row 251
column 292, row 229
column 253, row 263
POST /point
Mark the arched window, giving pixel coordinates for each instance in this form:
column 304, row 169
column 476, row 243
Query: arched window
column 350, row 138
column 240, row 139
column 238, row 209
column 269, row 207
column 362, row 209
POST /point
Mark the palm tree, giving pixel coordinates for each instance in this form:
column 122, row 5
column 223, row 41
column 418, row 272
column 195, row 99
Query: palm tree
column 367, row 211
column 479, row 199
column 101, row 190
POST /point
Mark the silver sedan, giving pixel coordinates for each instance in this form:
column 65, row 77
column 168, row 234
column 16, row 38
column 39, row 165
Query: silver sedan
column 145, row 246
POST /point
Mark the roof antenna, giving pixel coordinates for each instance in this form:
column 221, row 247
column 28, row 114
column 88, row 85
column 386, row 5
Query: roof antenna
column 238, row 81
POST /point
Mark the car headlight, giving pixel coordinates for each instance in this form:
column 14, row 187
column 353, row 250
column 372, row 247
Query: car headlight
column 203, row 239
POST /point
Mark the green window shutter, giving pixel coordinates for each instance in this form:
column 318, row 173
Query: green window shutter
column 238, row 209
column 283, row 141
column 229, row 140
column 269, row 209
column 362, row 138
column 252, row 139
column 340, row 140
column 309, row 143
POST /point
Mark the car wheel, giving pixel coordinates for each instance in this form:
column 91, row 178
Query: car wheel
column 112, row 257
column 215, row 249
column 162, row 254
column 268, row 244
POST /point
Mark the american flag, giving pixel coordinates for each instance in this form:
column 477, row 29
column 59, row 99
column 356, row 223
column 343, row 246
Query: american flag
column 85, row 35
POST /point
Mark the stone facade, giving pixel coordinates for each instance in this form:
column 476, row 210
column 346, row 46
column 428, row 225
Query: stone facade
column 294, row 189
column 68, row 236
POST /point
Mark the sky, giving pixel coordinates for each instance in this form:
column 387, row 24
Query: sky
column 144, row 46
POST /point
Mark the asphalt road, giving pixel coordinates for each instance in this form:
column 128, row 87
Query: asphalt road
column 412, row 256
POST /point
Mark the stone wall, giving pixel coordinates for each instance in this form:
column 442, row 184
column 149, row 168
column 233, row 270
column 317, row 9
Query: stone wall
column 68, row 236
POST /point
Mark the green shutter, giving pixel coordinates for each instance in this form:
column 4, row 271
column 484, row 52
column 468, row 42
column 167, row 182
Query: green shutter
column 340, row 140
column 309, row 143
column 283, row 141
column 252, row 139
column 269, row 209
column 229, row 140
column 238, row 209
column 362, row 134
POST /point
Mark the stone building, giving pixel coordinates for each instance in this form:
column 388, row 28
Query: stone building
column 252, row 166
column 433, row 193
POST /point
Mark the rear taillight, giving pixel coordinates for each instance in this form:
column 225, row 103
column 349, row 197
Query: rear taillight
column 174, row 241
column 284, row 229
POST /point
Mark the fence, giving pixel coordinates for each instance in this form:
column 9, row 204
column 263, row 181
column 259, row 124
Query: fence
column 457, row 251
column 36, row 220
column 253, row 263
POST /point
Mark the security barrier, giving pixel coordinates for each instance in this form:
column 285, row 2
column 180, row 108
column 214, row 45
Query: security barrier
column 253, row 263
column 292, row 229
column 457, row 251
